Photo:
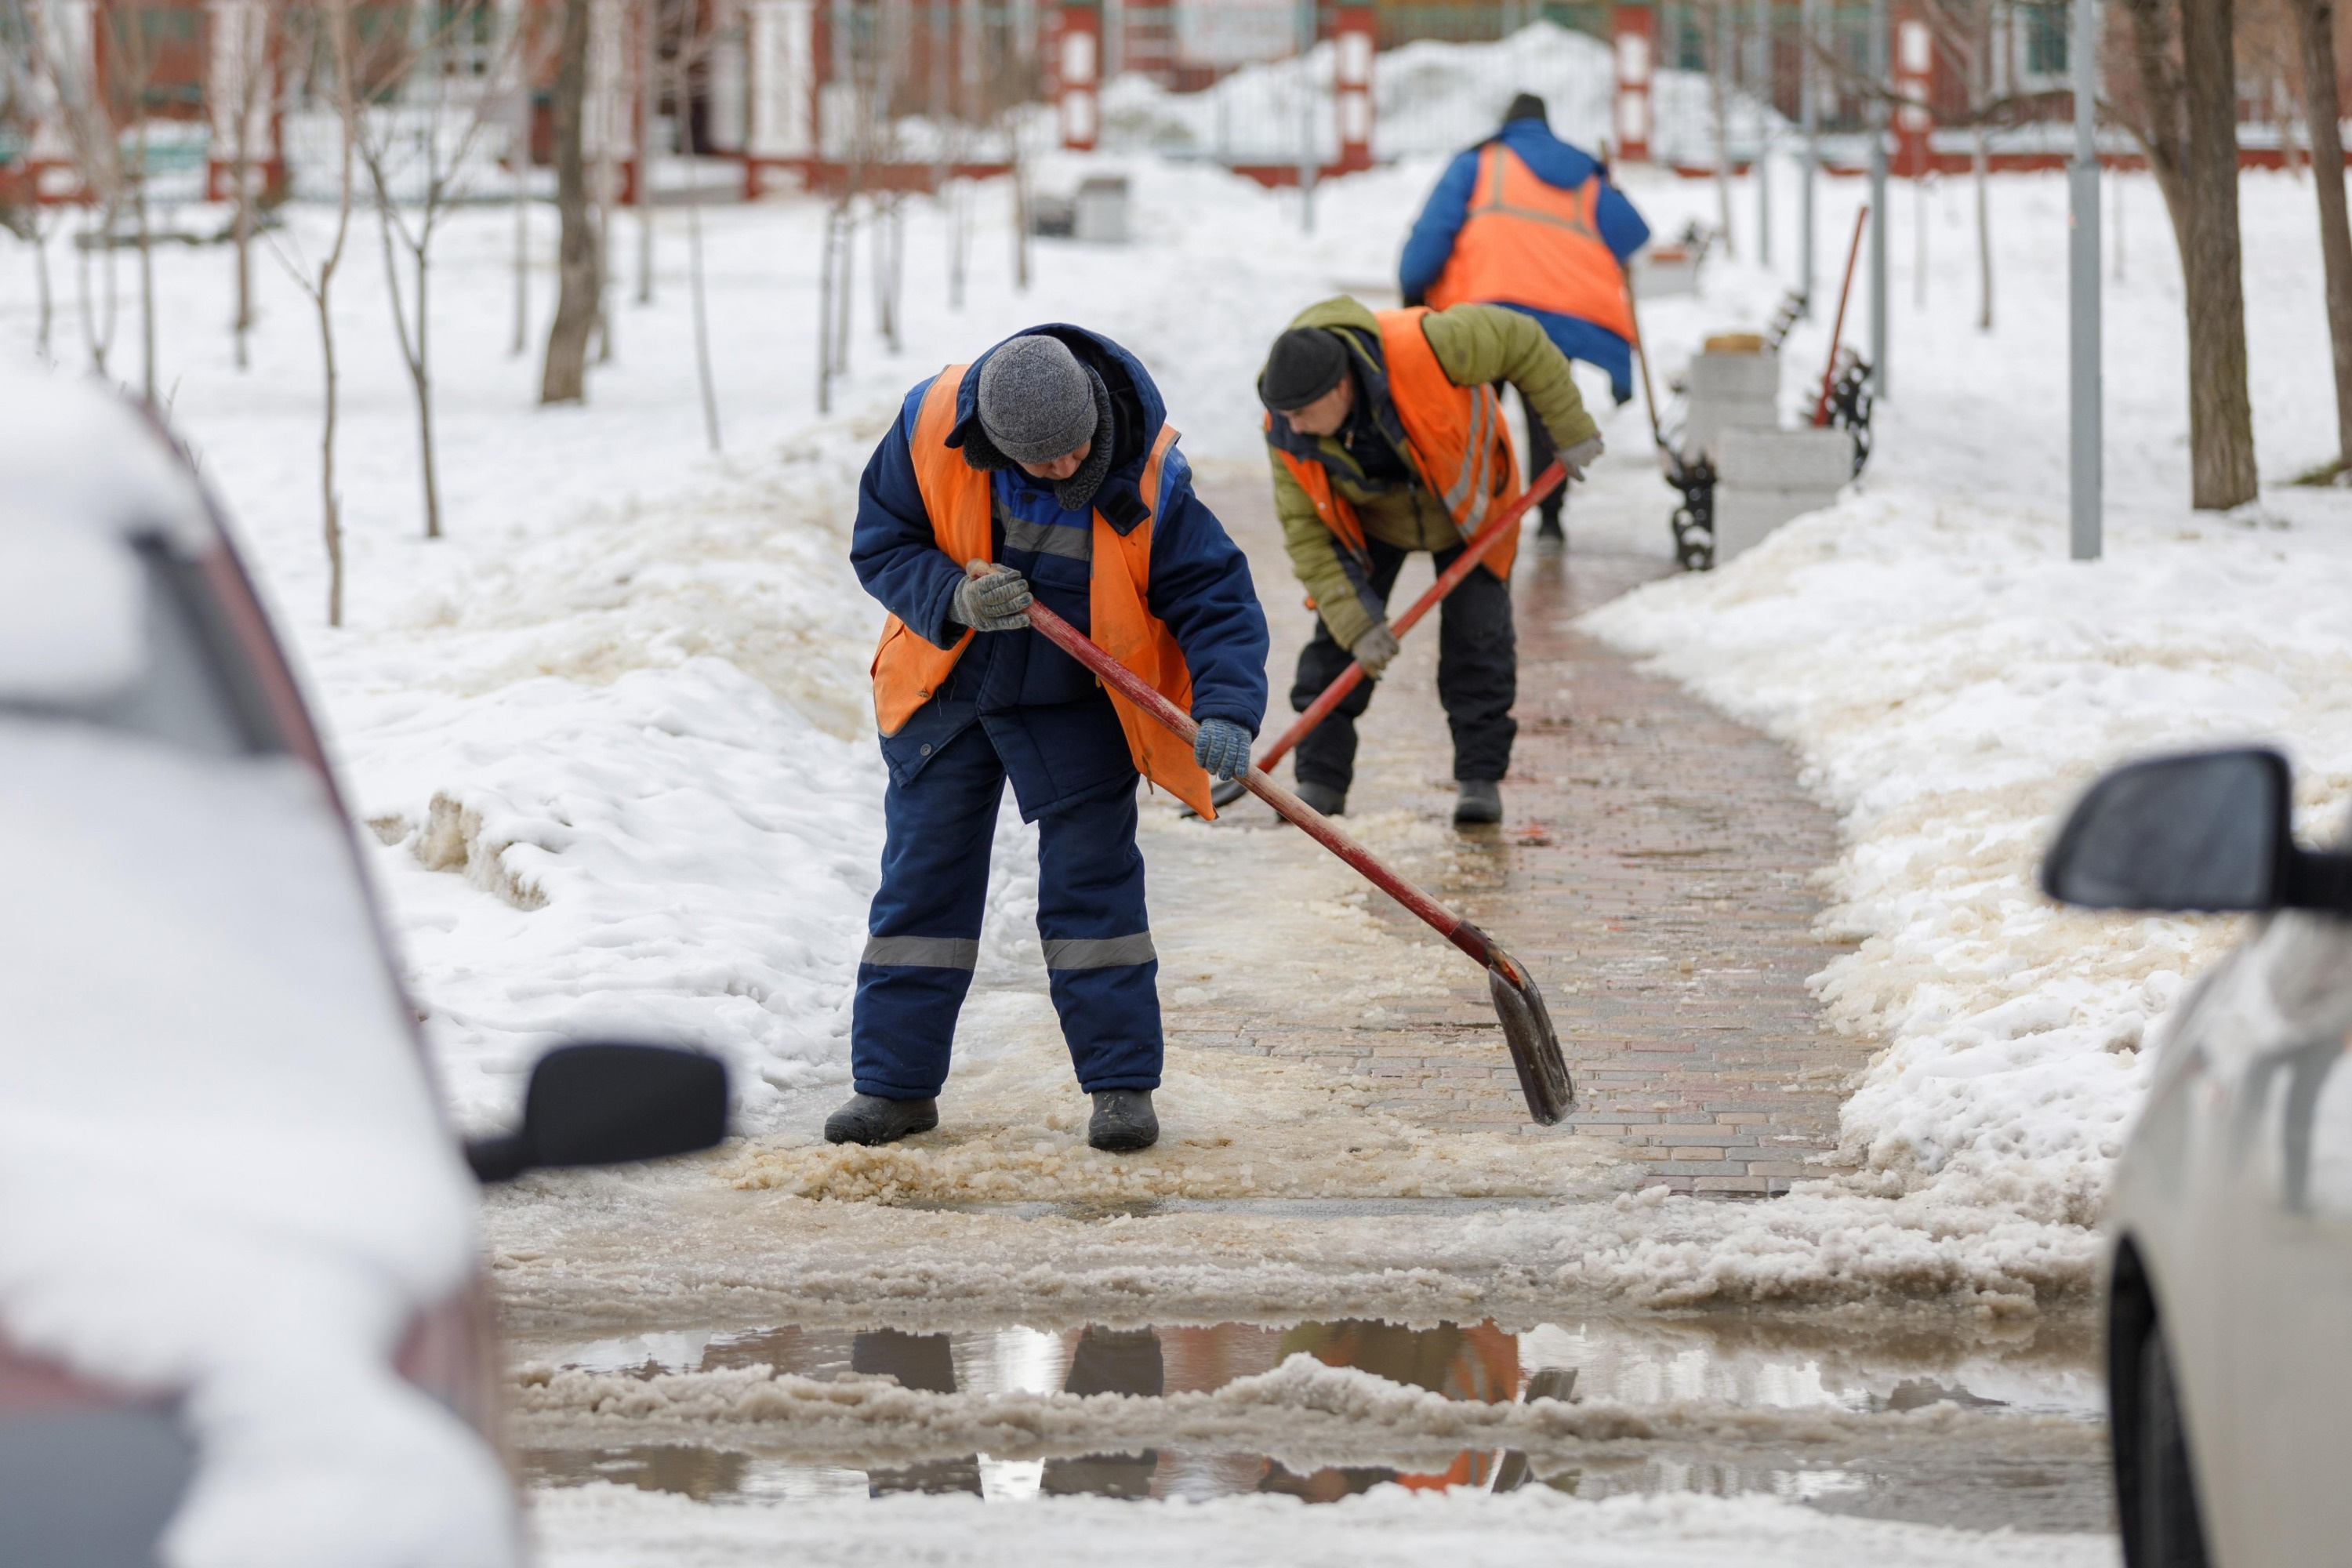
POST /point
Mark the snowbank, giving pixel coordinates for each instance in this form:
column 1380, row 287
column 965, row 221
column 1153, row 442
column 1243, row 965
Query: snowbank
column 1304, row 1414
column 607, row 1526
column 1431, row 99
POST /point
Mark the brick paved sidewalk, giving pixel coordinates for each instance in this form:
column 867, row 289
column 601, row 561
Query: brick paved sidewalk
column 1652, row 870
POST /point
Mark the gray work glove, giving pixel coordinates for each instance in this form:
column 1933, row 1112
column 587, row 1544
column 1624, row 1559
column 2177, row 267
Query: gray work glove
column 1375, row 649
column 991, row 599
column 1580, row 457
column 1223, row 747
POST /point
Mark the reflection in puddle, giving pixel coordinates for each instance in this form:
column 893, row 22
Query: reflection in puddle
column 1638, row 1363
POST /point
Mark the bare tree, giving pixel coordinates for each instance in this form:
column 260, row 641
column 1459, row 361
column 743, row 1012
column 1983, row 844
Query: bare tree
column 32, row 221
column 452, row 102
column 564, row 378
column 251, row 92
column 329, row 26
column 1716, row 48
column 2315, row 31
column 2183, row 109
column 640, row 192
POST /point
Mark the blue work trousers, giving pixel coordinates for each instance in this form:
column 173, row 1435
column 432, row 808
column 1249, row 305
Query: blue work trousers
column 925, row 925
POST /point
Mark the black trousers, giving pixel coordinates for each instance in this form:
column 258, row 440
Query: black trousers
column 1477, row 677
column 1540, row 452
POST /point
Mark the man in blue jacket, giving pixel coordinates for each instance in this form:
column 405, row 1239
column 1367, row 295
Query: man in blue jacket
column 1046, row 469
column 1523, row 219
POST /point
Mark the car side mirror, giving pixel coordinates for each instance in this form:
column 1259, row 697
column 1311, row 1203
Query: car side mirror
column 2203, row 832
column 609, row 1104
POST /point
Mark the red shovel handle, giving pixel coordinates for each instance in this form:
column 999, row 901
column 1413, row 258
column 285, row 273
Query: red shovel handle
column 1127, row 684
column 1482, row 544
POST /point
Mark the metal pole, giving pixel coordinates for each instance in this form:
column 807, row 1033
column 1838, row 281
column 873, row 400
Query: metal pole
column 1878, row 197
column 1809, row 111
column 2085, row 476
column 1760, row 84
column 1307, row 115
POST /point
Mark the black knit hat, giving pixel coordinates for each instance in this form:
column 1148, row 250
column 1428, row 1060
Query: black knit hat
column 1307, row 362
column 1527, row 106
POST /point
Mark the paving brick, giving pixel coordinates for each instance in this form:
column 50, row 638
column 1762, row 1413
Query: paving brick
column 1654, row 871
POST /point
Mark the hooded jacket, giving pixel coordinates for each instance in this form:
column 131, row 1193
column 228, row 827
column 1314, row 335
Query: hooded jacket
column 1042, row 709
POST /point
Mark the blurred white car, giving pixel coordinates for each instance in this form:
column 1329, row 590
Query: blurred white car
column 2230, row 1292
column 242, row 1318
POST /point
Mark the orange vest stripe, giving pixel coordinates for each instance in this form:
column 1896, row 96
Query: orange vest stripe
column 1527, row 243
column 956, row 498
column 1458, row 438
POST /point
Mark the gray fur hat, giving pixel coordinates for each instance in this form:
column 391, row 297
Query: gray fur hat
column 1037, row 401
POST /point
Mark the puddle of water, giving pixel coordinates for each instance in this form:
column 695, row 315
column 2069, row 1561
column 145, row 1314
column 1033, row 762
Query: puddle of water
column 1640, row 1362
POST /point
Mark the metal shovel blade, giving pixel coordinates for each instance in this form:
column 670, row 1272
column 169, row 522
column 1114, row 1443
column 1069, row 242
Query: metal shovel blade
column 1535, row 1047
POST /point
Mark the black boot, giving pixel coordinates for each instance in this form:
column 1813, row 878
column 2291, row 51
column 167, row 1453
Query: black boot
column 1549, row 531
column 869, row 1119
column 1477, row 801
column 1124, row 1121
column 1323, row 797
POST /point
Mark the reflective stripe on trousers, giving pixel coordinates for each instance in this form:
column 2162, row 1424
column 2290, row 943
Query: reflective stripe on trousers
column 1102, row 971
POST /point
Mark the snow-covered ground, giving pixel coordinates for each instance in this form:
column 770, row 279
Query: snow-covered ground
column 607, row 1526
column 609, row 732
column 609, row 736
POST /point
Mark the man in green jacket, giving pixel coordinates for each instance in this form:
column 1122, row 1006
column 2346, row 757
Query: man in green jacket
column 1357, row 492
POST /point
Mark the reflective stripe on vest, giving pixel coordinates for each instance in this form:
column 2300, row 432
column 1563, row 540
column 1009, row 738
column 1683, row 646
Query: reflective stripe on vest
column 958, row 499
column 1523, row 242
column 1457, row 439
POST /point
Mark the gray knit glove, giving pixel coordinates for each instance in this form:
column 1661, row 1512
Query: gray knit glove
column 991, row 600
column 1580, row 457
column 1375, row 649
column 1223, row 747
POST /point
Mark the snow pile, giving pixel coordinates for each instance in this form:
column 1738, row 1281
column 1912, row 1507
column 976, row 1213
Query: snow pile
column 222, row 1175
column 1430, row 99
column 1304, row 1414
column 1952, row 681
column 636, row 732
column 607, row 1526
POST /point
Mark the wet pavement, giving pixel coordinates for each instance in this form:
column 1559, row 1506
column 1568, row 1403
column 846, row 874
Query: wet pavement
column 2041, row 1468
column 1652, row 870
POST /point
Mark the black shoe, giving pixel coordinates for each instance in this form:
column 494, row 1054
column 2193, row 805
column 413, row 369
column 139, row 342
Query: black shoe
column 1549, row 531
column 1124, row 1121
column 1477, row 801
column 869, row 1119
column 1323, row 797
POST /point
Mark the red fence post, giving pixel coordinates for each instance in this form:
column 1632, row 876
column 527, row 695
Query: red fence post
column 1351, row 85
column 1634, row 28
column 1915, row 66
column 1077, row 62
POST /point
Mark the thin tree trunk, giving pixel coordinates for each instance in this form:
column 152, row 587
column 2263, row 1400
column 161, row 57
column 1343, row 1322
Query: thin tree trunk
column 241, row 169
column 2221, row 414
column 1919, row 243
column 565, row 376
column 346, row 95
column 1717, row 64
column 2315, row 20
column 702, row 314
column 521, row 156
column 146, row 273
column 679, row 83
column 648, row 106
column 41, row 277
column 1984, row 233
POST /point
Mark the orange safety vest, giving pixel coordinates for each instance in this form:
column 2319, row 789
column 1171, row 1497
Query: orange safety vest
column 1527, row 243
column 907, row 668
column 1458, row 437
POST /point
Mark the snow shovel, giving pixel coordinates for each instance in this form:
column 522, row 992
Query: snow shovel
column 1527, row 1024
column 1482, row 543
